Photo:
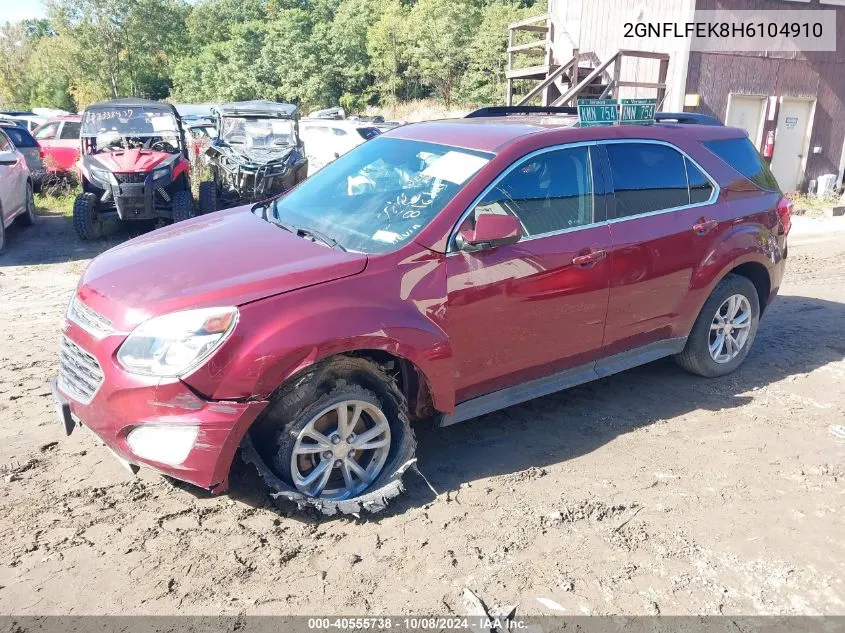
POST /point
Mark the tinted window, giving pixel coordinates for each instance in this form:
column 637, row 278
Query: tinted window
column 700, row 188
column 367, row 133
column 740, row 154
column 20, row 137
column 550, row 192
column 70, row 130
column 47, row 132
column 647, row 177
column 5, row 145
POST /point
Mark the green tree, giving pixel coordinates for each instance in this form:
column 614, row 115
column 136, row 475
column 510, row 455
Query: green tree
column 442, row 30
column 389, row 49
column 484, row 79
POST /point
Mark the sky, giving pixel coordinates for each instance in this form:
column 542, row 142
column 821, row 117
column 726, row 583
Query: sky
column 17, row 10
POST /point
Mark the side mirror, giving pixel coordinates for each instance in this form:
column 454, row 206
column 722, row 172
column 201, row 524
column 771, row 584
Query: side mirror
column 8, row 158
column 491, row 231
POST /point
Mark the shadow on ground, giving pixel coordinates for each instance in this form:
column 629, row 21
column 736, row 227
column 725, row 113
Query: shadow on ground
column 53, row 240
column 797, row 336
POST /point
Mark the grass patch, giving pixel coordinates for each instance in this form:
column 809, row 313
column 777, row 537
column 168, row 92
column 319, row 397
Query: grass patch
column 812, row 206
column 57, row 199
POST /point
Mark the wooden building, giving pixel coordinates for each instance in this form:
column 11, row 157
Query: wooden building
column 800, row 97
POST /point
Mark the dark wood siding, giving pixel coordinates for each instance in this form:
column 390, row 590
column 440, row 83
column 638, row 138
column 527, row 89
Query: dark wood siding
column 814, row 75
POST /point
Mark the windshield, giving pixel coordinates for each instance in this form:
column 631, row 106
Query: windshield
column 381, row 194
column 133, row 122
column 257, row 132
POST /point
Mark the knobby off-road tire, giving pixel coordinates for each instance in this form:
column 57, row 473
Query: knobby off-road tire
column 28, row 217
column 270, row 444
column 86, row 221
column 183, row 206
column 207, row 197
column 696, row 357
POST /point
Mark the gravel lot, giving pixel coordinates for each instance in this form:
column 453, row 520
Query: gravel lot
column 648, row 492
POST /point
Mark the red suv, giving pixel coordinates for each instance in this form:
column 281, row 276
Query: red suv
column 439, row 272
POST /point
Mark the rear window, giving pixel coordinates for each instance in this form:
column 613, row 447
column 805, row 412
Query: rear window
column 20, row 137
column 70, row 130
column 368, row 132
column 740, row 154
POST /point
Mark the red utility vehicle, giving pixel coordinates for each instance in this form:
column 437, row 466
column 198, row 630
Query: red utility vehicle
column 59, row 141
column 134, row 165
column 439, row 272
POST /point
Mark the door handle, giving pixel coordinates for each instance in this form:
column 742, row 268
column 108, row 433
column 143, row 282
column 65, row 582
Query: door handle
column 589, row 259
column 703, row 227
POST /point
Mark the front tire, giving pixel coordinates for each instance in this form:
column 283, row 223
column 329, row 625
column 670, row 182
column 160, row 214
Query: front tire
column 724, row 330
column 338, row 438
column 86, row 220
column 183, row 206
column 207, row 197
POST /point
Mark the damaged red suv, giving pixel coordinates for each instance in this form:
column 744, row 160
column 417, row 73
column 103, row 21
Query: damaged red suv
column 439, row 272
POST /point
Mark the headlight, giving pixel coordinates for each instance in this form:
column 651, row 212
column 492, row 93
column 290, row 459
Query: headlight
column 100, row 175
column 173, row 344
column 161, row 172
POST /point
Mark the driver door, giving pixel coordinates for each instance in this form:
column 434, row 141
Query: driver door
column 536, row 307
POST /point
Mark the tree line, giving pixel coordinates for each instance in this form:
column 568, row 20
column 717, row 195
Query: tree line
column 316, row 53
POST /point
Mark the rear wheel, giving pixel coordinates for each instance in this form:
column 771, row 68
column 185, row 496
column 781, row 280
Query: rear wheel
column 2, row 232
column 338, row 438
column 183, row 206
column 86, row 220
column 28, row 217
column 207, row 197
column 724, row 330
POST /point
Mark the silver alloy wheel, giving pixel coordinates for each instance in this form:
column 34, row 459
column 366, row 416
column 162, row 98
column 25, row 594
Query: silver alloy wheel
column 341, row 450
column 730, row 328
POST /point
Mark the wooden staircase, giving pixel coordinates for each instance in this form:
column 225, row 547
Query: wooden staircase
column 584, row 76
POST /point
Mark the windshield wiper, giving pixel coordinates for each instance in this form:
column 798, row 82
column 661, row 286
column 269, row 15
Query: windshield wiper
column 320, row 237
column 299, row 230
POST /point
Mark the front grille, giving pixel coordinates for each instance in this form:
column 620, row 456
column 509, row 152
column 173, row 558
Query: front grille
column 130, row 178
column 89, row 320
column 80, row 375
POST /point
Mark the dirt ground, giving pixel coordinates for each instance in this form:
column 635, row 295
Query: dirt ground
column 648, row 492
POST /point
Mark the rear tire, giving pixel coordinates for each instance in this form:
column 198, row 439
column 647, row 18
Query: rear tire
column 698, row 356
column 207, row 197
column 2, row 232
column 28, row 217
column 86, row 220
column 183, row 206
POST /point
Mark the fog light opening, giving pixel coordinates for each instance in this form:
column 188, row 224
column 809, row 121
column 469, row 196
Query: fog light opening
column 165, row 444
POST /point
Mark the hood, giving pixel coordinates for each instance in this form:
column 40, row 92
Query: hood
column 130, row 160
column 226, row 258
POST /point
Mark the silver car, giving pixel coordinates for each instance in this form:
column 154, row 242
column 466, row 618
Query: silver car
column 28, row 146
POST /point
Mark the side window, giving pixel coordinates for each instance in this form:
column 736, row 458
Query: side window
column 740, row 154
column 47, row 132
column 647, row 177
column 70, row 130
column 550, row 192
column 5, row 143
column 700, row 188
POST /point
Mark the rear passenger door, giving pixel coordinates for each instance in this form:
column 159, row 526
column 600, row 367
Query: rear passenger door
column 66, row 146
column 660, row 229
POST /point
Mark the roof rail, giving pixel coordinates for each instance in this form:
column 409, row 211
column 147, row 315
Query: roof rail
column 492, row 111
column 686, row 118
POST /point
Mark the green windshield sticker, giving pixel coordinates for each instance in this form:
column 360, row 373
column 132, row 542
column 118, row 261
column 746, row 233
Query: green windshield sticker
column 597, row 112
column 637, row 110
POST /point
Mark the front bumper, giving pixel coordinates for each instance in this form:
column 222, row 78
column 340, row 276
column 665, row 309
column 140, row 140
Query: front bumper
column 124, row 402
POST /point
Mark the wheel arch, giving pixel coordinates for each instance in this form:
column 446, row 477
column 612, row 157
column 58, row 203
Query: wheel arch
column 758, row 275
